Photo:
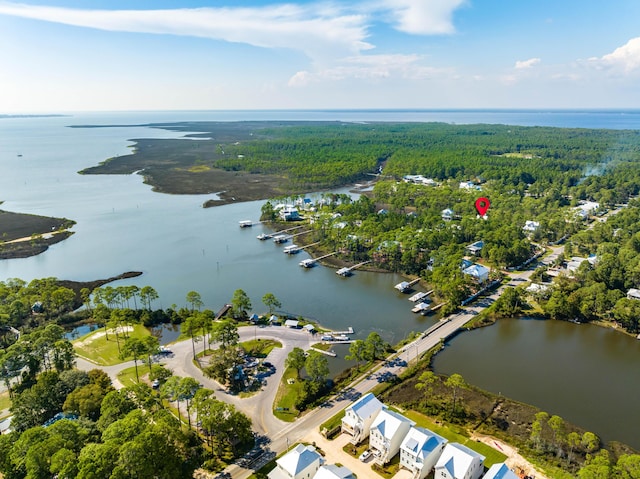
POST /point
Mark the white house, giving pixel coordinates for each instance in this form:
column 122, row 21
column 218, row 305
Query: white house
column 478, row 272
column 633, row 293
column 475, row 248
column 359, row 416
column 458, row 462
column 586, row 208
column 288, row 212
column 575, row 262
column 447, row 214
column 333, row 471
column 302, row 462
column 420, row 450
column 500, row 471
column 531, row 226
column 387, row 432
column 469, row 185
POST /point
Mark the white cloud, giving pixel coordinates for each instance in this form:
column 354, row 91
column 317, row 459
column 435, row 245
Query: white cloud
column 524, row 64
column 626, row 57
column 318, row 31
column 372, row 67
column 423, row 17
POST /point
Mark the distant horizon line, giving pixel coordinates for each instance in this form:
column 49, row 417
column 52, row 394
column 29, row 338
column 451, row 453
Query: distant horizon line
column 487, row 109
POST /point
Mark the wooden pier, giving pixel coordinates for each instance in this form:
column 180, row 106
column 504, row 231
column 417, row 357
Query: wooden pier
column 405, row 286
column 310, row 262
column 266, row 236
column 347, row 270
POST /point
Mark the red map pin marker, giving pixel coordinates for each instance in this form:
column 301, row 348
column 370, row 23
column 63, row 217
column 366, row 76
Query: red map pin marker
column 482, row 205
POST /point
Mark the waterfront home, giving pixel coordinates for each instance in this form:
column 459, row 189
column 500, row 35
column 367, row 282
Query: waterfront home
column 459, row 462
column 447, row 214
column 386, row 434
column 359, row 416
column 479, row 273
column 633, row 293
column 475, row 248
column 333, row 471
column 420, row 450
column 500, row 471
column 289, row 213
column 302, row 462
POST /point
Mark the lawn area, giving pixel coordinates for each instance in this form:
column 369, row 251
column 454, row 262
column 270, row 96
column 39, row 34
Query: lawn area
column 492, row 455
column 95, row 347
column 286, row 396
column 128, row 376
column 260, row 348
column 5, row 403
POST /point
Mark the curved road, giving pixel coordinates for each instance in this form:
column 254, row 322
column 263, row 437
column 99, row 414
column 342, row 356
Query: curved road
column 259, row 406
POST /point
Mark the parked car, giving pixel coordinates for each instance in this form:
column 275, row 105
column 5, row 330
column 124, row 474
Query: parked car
column 365, row 455
column 155, row 384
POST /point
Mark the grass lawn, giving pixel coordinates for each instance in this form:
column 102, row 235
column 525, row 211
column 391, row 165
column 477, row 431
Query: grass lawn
column 128, row 376
column 260, row 348
column 455, row 434
column 95, row 347
column 286, row 396
column 5, row 403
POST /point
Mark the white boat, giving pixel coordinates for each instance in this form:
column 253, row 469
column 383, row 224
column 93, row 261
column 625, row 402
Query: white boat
column 263, row 236
column 307, row 263
column 421, row 308
column 402, row 287
column 344, row 272
column 245, row 223
column 291, row 249
column 280, row 239
column 418, row 296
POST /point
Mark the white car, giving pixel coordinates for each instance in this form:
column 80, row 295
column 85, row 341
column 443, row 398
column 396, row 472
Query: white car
column 365, row 455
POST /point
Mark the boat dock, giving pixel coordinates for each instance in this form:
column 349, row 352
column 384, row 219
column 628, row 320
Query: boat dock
column 405, row 286
column 310, row 262
column 420, row 296
column 328, row 353
column 348, row 331
column 347, row 271
column 279, row 239
column 266, row 236
column 245, row 223
column 422, row 308
column 291, row 249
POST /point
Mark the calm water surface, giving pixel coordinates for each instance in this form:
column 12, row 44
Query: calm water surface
column 584, row 373
column 587, row 375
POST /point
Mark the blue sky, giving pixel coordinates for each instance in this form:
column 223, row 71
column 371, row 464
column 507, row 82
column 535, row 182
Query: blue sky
column 73, row 55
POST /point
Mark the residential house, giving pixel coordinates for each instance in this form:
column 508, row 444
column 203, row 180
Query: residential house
column 531, row 226
column 500, row 471
column 475, row 248
column 633, row 293
column 420, row 450
column 302, row 462
column 333, row 471
column 575, row 262
column 447, row 214
column 469, row 185
column 459, row 462
column 585, row 209
column 359, row 416
column 292, row 323
column 386, row 434
column 289, row 213
column 479, row 273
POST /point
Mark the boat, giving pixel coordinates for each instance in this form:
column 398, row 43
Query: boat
column 263, row 236
column 421, row 308
column 280, row 239
column 291, row 249
column 340, row 337
column 245, row 223
column 402, row 287
column 344, row 272
column 418, row 297
column 307, row 263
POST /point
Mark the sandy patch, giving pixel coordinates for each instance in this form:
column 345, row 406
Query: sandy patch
column 99, row 334
column 515, row 461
